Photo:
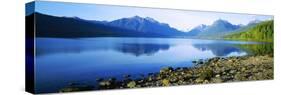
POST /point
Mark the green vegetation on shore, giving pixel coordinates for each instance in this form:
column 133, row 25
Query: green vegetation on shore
column 262, row 32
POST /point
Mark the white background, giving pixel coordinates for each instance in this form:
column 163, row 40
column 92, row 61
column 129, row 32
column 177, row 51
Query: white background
column 12, row 47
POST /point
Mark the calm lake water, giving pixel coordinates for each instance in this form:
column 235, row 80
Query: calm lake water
column 63, row 61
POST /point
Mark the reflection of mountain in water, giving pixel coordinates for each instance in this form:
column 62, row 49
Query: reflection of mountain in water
column 58, row 50
column 218, row 49
column 63, row 46
column 138, row 49
column 142, row 49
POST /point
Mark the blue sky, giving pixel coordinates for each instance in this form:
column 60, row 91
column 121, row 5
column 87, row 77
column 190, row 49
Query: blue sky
column 179, row 19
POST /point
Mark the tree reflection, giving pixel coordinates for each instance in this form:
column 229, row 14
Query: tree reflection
column 142, row 49
column 218, row 49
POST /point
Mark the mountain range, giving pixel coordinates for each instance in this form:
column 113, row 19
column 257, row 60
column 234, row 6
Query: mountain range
column 136, row 26
column 218, row 27
column 52, row 26
column 146, row 25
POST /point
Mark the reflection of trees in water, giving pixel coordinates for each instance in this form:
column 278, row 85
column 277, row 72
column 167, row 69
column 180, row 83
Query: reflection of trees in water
column 218, row 49
column 134, row 49
column 46, row 51
column 225, row 49
column 258, row 49
column 69, row 48
column 142, row 49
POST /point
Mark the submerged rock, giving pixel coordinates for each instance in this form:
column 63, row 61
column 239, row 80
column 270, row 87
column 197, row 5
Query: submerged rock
column 76, row 88
column 194, row 61
column 105, row 83
column 99, row 79
column 131, row 84
column 127, row 76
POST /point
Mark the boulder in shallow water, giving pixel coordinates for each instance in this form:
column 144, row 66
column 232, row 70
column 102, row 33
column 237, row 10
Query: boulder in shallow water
column 127, row 76
column 105, row 83
column 131, row 84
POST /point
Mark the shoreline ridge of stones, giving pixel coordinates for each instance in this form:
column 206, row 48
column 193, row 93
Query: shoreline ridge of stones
column 213, row 70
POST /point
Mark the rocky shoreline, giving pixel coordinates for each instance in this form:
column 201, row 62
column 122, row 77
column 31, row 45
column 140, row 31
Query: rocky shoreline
column 214, row 70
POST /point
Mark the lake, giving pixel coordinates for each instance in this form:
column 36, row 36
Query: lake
column 60, row 62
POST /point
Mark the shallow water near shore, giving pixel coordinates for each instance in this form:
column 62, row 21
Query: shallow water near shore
column 63, row 61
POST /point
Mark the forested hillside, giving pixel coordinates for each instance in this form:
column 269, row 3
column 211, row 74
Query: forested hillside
column 261, row 32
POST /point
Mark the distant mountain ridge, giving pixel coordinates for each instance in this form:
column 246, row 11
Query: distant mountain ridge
column 218, row 27
column 146, row 24
column 66, row 27
column 52, row 26
column 197, row 30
